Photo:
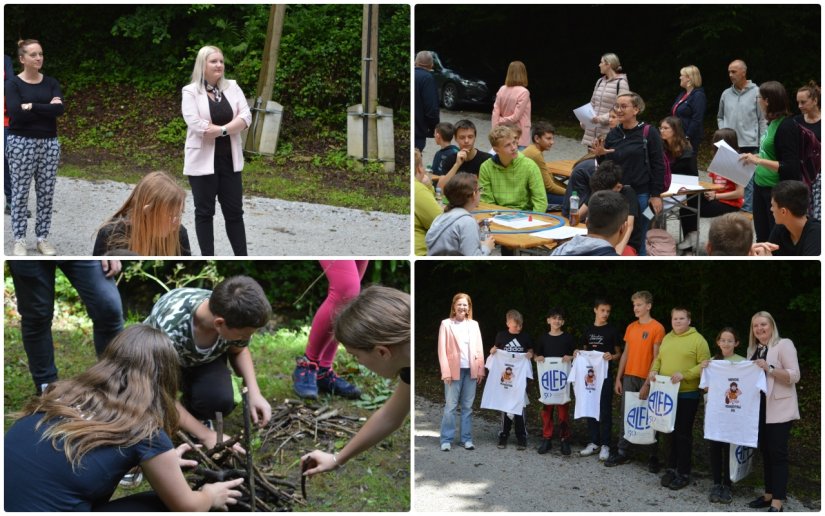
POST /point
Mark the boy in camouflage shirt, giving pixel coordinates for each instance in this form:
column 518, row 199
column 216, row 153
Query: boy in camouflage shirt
column 207, row 328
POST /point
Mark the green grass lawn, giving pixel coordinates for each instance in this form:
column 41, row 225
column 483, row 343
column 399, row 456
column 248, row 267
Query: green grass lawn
column 377, row 480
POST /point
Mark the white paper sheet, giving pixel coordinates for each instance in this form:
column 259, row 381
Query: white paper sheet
column 560, row 233
column 679, row 182
column 522, row 223
column 726, row 164
column 585, row 115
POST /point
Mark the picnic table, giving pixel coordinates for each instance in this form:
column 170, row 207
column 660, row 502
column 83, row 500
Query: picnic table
column 522, row 242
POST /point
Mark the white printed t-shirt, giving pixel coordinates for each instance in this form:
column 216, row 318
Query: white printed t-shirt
column 587, row 376
column 506, row 385
column 732, row 407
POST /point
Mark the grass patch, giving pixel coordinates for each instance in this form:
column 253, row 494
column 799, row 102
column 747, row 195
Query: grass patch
column 376, row 480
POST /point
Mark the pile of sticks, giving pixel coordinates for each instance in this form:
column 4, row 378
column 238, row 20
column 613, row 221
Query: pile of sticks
column 293, row 421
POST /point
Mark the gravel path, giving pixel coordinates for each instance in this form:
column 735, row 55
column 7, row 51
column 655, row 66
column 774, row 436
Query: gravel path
column 273, row 227
column 488, row 479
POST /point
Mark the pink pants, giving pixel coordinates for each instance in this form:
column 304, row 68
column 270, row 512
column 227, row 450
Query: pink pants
column 344, row 278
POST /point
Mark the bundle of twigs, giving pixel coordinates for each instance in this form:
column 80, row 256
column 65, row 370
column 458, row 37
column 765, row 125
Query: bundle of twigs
column 293, row 421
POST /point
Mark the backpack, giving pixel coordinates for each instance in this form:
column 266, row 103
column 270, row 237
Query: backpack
column 810, row 161
column 660, row 243
column 668, row 174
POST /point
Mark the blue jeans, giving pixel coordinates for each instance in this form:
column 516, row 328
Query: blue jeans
column 643, row 200
column 461, row 392
column 34, row 287
column 555, row 199
column 748, row 204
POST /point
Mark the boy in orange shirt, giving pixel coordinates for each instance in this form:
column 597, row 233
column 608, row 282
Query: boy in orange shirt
column 642, row 339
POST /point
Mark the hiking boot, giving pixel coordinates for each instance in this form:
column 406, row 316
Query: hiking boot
column 725, row 495
column 545, row 446
column 653, row 465
column 616, row 459
column 668, row 477
column 605, row 453
column 522, row 445
column 20, row 248
column 132, row 479
column 330, row 382
column 305, row 379
column 715, row 495
column 679, row 481
column 590, row 449
column 565, row 448
column 502, row 442
column 46, row 248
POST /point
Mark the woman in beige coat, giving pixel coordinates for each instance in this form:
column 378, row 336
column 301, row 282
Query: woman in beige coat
column 611, row 85
column 461, row 357
column 779, row 407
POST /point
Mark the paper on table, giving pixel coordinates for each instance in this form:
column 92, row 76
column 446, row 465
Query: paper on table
column 585, row 115
column 679, row 182
column 560, row 233
column 726, row 164
column 521, row 223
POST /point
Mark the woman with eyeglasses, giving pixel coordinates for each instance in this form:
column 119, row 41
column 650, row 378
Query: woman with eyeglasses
column 637, row 148
column 456, row 232
column 148, row 223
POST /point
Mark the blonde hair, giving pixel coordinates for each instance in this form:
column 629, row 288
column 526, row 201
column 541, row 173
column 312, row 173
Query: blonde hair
column 499, row 133
column 23, row 43
column 127, row 397
column 613, row 60
column 153, row 204
column 200, row 66
column 516, row 74
column 379, row 316
column 693, row 74
column 469, row 305
column 418, row 159
column 643, row 295
column 635, row 99
column 753, row 341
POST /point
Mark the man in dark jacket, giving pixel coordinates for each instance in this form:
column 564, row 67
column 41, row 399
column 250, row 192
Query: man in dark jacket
column 426, row 99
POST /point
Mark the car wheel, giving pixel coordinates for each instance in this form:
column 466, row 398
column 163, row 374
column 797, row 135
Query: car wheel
column 449, row 96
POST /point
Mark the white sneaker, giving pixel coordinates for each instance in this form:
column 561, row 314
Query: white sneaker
column 445, row 447
column 469, row 445
column 46, row 248
column 689, row 241
column 605, row 453
column 589, row 450
column 20, row 248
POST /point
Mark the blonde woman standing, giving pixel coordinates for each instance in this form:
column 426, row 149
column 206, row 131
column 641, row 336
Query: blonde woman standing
column 690, row 105
column 461, row 357
column 612, row 84
column 513, row 102
column 215, row 111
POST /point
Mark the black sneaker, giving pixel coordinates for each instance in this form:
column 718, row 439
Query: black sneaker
column 715, row 495
column 668, row 477
column 725, row 496
column 565, row 448
column 679, row 481
column 759, row 503
column 502, row 442
column 616, row 459
column 545, row 446
column 653, row 465
column 522, row 445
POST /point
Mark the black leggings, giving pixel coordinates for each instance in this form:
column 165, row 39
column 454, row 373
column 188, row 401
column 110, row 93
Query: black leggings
column 762, row 217
column 720, row 462
column 681, row 439
column 773, row 443
column 709, row 209
column 208, row 389
column 226, row 185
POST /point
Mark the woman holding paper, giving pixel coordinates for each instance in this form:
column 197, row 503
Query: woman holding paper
column 680, row 357
column 778, row 408
column 715, row 202
column 461, row 357
column 609, row 87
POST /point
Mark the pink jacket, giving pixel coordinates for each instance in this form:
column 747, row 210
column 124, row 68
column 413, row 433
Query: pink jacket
column 199, row 155
column 781, row 403
column 513, row 105
column 449, row 354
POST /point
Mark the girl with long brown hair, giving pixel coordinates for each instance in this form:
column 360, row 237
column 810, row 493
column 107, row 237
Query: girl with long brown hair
column 71, row 446
column 148, row 223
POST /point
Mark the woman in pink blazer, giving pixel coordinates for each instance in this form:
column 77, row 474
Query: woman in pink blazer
column 461, row 357
column 779, row 406
column 216, row 112
column 513, row 102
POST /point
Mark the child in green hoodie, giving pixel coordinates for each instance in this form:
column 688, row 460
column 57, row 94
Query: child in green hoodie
column 680, row 356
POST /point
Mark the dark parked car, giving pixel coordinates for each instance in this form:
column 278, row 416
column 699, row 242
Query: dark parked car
column 456, row 88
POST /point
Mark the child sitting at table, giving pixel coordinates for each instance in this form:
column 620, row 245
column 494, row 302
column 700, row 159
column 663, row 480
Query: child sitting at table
column 456, row 231
column 606, row 227
column 443, row 135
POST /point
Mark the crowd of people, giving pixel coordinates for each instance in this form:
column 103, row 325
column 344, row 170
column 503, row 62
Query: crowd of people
column 756, row 121
column 77, row 438
column 148, row 224
column 643, row 354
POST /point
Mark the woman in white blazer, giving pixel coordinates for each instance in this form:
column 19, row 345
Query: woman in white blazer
column 461, row 359
column 779, row 407
column 215, row 111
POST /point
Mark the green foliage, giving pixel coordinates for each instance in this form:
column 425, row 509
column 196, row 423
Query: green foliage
column 174, row 132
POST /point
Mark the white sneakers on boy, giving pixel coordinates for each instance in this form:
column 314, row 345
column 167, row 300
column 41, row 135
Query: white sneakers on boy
column 605, row 453
column 469, row 445
column 589, row 450
column 445, row 447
